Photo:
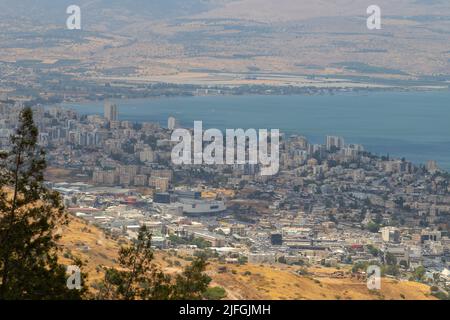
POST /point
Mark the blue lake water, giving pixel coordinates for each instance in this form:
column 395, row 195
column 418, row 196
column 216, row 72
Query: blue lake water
column 414, row 125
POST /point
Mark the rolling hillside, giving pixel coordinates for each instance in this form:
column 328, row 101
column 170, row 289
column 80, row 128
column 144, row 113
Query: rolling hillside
column 183, row 37
column 241, row 282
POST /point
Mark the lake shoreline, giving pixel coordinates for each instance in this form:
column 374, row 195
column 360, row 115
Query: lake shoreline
column 402, row 124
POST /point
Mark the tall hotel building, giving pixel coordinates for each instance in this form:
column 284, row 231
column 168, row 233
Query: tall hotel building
column 111, row 112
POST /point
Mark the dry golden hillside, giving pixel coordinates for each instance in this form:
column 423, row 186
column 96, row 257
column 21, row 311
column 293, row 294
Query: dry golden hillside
column 90, row 245
column 280, row 282
column 241, row 282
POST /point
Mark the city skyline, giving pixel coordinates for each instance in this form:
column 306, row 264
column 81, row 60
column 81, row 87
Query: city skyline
column 212, row 158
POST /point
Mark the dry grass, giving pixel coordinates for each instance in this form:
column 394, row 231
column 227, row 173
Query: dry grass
column 242, row 282
column 89, row 244
column 278, row 282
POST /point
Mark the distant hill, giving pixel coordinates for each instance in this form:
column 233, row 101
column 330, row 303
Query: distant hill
column 265, row 10
column 297, row 10
column 182, row 38
column 52, row 11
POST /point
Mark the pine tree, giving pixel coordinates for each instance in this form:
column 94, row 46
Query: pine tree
column 140, row 279
column 192, row 283
column 29, row 216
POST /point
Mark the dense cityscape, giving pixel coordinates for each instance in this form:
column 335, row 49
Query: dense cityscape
column 224, row 158
column 331, row 204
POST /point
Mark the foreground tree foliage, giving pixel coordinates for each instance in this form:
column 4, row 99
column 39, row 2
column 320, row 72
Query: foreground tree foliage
column 30, row 214
column 138, row 278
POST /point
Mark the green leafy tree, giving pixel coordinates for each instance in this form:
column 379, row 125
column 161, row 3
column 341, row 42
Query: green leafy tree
column 215, row 293
column 373, row 227
column 359, row 266
column 404, row 264
column 392, row 270
column 30, row 214
column 419, row 273
column 390, row 259
column 243, row 260
column 372, row 250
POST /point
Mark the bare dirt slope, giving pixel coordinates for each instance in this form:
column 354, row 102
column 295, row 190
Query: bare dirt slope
column 277, row 282
column 241, row 282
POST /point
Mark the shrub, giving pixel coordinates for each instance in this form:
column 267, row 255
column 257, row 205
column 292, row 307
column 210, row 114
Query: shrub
column 215, row 293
